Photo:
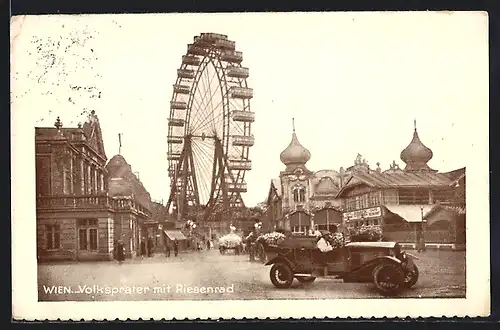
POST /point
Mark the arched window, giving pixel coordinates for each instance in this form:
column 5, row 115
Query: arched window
column 302, row 195
column 299, row 194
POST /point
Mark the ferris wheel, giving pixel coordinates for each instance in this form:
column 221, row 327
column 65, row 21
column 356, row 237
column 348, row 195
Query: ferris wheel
column 209, row 127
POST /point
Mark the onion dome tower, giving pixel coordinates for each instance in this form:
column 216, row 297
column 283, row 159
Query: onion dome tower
column 416, row 154
column 295, row 155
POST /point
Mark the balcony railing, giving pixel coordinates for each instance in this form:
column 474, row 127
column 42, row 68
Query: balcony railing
column 78, row 202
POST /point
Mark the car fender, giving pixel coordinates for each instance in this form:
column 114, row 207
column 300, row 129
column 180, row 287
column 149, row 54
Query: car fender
column 279, row 259
column 412, row 256
column 371, row 264
column 389, row 259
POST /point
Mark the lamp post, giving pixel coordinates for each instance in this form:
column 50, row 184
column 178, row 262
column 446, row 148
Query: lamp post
column 312, row 224
column 422, row 232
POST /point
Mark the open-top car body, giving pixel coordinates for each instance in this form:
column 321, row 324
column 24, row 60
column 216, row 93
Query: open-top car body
column 383, row 263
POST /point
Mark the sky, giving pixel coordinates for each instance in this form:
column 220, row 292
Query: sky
column 354, row 82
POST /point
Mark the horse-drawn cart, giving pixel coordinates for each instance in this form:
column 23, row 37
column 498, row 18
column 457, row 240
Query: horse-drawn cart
column 230, row 242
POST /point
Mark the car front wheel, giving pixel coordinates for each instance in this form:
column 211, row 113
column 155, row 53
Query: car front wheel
column 281, row 275
column 388, row 278
column 411, row 277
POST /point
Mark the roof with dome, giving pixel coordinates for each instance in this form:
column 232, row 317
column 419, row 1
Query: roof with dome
column 123, row 182
column 416, row 155
column 326, row 186
column 295, row 155
column 416, row 174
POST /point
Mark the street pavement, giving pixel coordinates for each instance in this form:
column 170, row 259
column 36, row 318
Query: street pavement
column 207, row 275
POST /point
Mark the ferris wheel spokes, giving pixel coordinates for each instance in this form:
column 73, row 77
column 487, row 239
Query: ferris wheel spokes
column 209, row 125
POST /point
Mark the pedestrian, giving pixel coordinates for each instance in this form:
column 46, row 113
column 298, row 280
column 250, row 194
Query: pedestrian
column 143, row 247
column 208, row 244
column 150, row 247
column 115, row 244
column 167, row 249
column 120, row 252
column 421, row 245
column 176, row 247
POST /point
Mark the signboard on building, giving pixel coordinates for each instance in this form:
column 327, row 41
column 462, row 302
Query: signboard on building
column 373, row 212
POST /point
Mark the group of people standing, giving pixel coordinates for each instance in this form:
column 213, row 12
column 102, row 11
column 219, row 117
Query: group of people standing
column 146, row 247
column 175, row 245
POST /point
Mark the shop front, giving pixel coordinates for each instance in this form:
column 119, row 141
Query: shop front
column 432, row 224
column 298, row 222
column 171, row 236
column 327, row 218
column 368, row 216
column 398, row 223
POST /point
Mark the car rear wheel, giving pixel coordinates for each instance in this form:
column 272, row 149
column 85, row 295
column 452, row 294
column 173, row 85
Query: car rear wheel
column 388, row 278
column 281, row 275
column 305, row 280
column 411, row 277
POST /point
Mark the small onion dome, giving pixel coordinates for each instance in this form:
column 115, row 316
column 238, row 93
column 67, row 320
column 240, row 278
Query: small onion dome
column 118, row 167
column 117, row 160
column 295, row 153
column 416, row 154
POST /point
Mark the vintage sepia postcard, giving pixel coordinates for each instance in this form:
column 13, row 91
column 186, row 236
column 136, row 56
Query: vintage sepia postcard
column 250, row 165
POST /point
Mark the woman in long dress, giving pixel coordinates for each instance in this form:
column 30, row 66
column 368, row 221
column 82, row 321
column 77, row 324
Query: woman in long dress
column 120, row 252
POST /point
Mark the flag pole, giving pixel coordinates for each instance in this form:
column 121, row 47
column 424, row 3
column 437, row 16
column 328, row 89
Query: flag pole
column 119, row 143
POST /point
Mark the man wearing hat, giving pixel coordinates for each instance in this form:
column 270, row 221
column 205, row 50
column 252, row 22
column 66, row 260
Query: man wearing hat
column 324, row 246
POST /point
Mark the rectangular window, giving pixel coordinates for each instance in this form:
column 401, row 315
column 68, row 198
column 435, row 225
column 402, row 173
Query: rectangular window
column 374, row 199
column 413, row 196
column 53, row 237
column 390, row 197
column 68, row 177
column 93, row 238
column 43, row 174
column 405, row 196
column 443, row 196
column 300, row 229
column 83, row 239
column 364, row 201
column 422, row 197
column 88, row 234
column 351, row 203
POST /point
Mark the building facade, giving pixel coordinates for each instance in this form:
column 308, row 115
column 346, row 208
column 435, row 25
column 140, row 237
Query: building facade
column 75, row 215
column 132, row 226
column 299, row 193
column 410, row 203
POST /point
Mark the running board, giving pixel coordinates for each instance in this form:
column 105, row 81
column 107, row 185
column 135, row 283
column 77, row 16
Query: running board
column 336, row 277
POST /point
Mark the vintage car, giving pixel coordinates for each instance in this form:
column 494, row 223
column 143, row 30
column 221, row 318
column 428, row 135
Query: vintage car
column 383, row 263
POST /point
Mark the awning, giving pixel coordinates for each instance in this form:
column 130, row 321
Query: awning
column 410, row 213
column 175, row 235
